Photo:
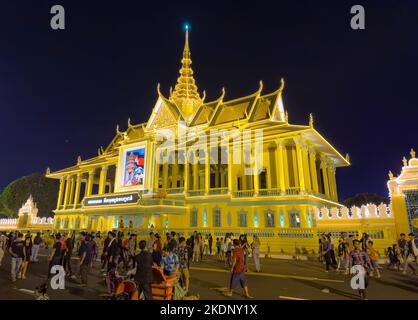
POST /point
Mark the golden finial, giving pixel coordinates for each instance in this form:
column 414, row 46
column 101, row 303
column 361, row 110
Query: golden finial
column 311, row 120
column 261, row 86
column 129, row 122
column 405, row 162
column 390, row 175
column 78, row 160
column 412, row 153
column 281, row 84
column 48, row 170
column 101, row 150
column 117, row 129
column 286, row 117
column 347, row 157
column 98, row 152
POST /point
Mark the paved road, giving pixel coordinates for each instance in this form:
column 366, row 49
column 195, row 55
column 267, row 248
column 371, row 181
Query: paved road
column 280, row 279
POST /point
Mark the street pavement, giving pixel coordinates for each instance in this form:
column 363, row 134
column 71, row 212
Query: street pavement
column 279, row 280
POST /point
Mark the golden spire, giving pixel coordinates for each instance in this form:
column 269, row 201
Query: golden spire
column 412, row 153
column 405, row 162
column 185, row 94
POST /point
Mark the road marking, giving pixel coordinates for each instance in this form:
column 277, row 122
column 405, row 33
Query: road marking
column 273, row 275
column 290, row 298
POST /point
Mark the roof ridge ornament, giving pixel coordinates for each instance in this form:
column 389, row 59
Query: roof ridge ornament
column 412, row 153
column 390, row 174
column 405, row 162
column 311, row 120
column 78, row 160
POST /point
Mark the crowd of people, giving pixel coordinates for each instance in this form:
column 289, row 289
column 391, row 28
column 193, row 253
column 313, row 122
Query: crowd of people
column 124, row 254
column 361, row 252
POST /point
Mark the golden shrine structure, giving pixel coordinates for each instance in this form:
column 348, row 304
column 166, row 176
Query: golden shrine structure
column 262, row 175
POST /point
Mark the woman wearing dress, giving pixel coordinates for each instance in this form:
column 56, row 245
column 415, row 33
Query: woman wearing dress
column 196, row 249
column 27, row 252
column 255, row 246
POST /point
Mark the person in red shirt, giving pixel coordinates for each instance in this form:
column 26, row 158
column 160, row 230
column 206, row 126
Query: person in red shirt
column 238, row 270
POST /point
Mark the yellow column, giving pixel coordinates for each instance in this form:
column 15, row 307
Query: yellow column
column 334, row 179
column 217, row 176
column 295, row 166
column 230, row 168
column 102, row 181
column 61, row 192
column 305, row 160
column 207, row 170
column 255, row 171
column 280, row 165
column 89, row 187
column 222, row 172
column 186, row 172
column 332, row 182
column 72, row 184
column 195, row 172
column 312, row 161
column 300, row 164
column 77, row 190
column 325, row 176
column 165, row 172
column 175, row 171
column 67, row 191
column 156, row 174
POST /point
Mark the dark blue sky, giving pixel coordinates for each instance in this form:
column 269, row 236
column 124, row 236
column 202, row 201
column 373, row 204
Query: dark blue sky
column 63, row 92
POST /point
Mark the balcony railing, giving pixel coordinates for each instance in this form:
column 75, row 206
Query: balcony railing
column 196, row 193
column 244, row 194
column 216, row 191
column 175, row 191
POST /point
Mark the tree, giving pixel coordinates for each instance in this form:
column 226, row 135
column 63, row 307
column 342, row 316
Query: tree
column 364, row 198
column 43, row 190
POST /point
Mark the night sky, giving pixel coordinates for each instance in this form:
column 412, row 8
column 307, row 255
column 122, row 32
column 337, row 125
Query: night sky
column 62, row 93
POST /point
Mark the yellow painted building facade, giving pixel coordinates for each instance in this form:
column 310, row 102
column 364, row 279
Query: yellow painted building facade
column 263, row 175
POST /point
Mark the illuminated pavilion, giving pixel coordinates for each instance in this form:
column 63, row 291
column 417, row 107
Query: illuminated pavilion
column 140, row 182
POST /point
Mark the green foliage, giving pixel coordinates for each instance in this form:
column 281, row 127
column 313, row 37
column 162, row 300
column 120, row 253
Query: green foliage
column 44, row 192
column 364, row 198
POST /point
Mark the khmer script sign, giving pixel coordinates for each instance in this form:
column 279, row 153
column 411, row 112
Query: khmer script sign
column 120, row 199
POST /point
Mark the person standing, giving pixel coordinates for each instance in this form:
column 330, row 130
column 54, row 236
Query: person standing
column 104, row 256
column 238, row 270
column 157, row 250
column 169, row 262
column 2, row 247
column 360, row 258
column 27, row 253
column 85, row 254
column 411, row 254
column 332, row 251
column 255, row 246
column 403, row 248
column 132, row 249
column 182, row 254
column 55, row 256
column 16, row 251
column 205, row 249
column 373, row 259
column 150, row 242
column 228, row 254
column 218, row 248
column 113, row 252
column 210, row 243
column 37, row 241
column 69, row 242
column 326, row 251
column 144, row 275
column 196, row 249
